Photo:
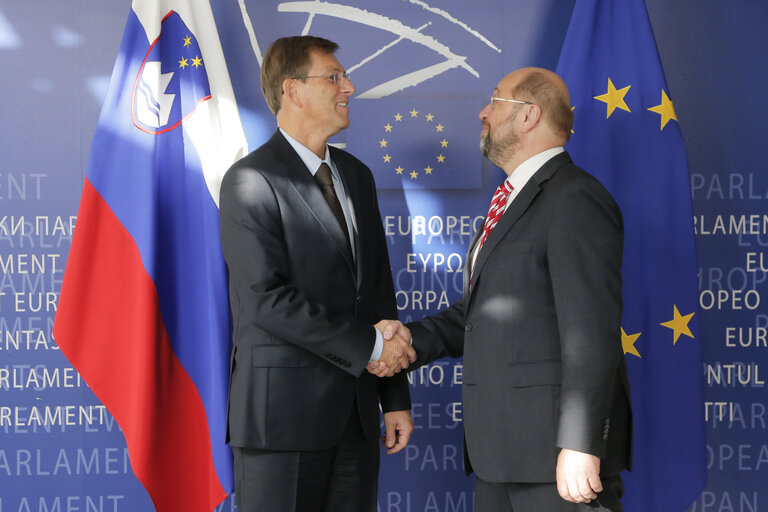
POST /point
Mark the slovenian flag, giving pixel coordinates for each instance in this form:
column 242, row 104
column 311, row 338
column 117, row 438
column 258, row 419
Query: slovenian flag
column 143, row 312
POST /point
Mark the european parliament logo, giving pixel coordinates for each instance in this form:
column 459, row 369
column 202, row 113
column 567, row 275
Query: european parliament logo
column 418, row 143
column 391, row 46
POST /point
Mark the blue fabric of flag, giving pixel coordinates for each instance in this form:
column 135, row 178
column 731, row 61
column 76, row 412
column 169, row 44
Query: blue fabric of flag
column 626, row 134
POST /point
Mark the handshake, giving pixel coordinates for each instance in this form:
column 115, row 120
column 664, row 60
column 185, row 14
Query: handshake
column 397, row 353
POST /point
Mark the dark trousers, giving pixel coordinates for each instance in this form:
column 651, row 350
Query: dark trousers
column 343, row 478
column 517, row 497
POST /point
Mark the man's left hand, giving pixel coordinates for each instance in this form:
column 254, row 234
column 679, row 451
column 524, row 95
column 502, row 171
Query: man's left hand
column 578, row 476
column 399, row 427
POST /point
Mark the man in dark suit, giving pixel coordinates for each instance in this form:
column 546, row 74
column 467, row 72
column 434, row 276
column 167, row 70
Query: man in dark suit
column 547, row 420
column 309, row 275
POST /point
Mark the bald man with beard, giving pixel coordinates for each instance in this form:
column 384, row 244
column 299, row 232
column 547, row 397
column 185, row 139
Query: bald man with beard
column 547, row 417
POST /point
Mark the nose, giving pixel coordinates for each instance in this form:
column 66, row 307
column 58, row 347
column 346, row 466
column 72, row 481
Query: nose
column 484, row 113
column 347, row 87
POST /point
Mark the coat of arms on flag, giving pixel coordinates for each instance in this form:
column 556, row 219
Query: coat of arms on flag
column 167, row 89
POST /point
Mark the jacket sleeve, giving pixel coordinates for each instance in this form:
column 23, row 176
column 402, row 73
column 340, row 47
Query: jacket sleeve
column 584, row 252
column 440, row 335
column 394, row 394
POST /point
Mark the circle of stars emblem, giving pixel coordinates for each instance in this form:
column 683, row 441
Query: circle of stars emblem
column 416, row 121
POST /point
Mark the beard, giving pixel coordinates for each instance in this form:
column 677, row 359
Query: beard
column 502, row 150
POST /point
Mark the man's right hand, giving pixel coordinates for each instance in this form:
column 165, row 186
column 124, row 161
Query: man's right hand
column 397, row 353
column 578, row 476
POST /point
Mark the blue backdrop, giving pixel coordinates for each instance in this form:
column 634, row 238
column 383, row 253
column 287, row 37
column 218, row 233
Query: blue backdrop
column 425, row 69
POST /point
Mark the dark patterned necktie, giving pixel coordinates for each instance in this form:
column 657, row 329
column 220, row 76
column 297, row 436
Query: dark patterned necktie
column 325, row 181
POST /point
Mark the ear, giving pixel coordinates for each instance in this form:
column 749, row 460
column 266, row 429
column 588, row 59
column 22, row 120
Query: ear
column 290, row 92
column 531, row 118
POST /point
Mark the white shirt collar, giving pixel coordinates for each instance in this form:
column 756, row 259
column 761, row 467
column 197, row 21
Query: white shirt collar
column 311, row 160
column 525, row 170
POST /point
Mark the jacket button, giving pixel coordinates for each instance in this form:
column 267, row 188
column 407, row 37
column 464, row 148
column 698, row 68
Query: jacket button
column 468, row 327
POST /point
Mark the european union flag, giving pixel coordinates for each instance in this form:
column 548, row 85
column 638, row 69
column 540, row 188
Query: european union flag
column 417, row 143
column 626, row 133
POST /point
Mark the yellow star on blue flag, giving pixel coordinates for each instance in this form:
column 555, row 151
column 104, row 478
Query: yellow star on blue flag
column 679, row 325
column 665, row 109
column 614, row 98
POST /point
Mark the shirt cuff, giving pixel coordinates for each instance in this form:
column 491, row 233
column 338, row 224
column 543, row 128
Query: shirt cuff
column 378, row 348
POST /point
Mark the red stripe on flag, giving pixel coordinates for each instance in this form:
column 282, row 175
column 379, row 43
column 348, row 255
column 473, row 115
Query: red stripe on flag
column 110, row 328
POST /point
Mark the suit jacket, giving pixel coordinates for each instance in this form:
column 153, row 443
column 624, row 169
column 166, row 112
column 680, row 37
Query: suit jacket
column 539, row 330
column 302, row 309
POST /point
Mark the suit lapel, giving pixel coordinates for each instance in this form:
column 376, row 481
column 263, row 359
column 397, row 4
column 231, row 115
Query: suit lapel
column 509, row 219
column 304, row 184
column 468, row 261
column 516, row 209
column 352, row 186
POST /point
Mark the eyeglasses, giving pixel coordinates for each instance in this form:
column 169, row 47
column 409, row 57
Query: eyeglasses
column 494, row 98
column 334, row 78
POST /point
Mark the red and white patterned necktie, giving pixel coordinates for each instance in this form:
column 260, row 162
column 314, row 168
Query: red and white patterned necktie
column 498, row 205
